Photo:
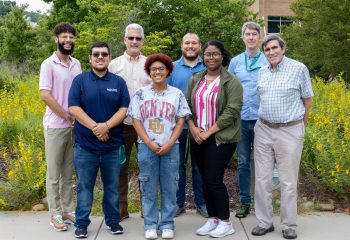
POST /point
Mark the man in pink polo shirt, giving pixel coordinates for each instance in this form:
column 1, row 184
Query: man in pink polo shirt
column 56, row 75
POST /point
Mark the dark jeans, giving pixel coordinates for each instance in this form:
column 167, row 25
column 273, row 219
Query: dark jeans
column 244, row 150
column 212, row 161
column 196, row 178
column 87, row 165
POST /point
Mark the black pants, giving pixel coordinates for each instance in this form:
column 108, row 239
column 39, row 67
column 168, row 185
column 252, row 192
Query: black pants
column 212, row 161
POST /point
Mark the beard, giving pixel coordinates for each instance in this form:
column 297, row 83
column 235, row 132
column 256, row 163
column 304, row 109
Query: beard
column 65, row 51
column 190, row 58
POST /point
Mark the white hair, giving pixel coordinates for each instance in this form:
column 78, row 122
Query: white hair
column 136, row 27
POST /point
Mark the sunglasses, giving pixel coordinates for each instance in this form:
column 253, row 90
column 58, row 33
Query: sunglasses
column 133, row 38
column 98, row 54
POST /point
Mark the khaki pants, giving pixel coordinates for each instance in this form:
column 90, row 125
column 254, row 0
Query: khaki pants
column 284, row 146
column 59, row 171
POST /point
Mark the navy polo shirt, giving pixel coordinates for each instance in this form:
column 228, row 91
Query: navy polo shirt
column 100, row 98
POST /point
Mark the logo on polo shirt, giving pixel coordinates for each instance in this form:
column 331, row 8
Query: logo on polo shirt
column 112, row 90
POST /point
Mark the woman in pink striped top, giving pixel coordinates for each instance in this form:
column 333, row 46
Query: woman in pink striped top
column 215, row 99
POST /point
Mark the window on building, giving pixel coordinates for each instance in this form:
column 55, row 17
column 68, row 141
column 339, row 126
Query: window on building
column 274, row 23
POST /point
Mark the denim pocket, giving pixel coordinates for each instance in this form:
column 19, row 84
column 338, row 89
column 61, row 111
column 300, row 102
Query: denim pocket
column 144, row 181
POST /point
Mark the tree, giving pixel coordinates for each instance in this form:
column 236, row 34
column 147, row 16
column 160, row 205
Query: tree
column 319, row 36
column 17, row 37
column 5, row 7
column 106, row 22
column 219, row 19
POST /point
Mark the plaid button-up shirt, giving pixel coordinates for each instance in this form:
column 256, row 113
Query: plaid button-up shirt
column 281, row 91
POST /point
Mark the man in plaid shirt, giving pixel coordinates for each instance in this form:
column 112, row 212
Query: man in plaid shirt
column 285, row 92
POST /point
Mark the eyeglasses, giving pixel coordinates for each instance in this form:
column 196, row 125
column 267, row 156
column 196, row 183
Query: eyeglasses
column 160, row 69
column 133, row 38
column 254, row 34
column 212, row 54
column 98, row 54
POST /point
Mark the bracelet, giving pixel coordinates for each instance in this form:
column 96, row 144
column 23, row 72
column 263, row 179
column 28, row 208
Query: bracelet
column 107, row 126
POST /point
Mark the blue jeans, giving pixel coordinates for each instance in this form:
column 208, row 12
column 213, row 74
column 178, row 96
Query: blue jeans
column 87, row 165
column 162, row 171
column 244, row 149
column 196, row 177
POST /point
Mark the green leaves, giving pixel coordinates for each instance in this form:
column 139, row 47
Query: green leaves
column 319, row 37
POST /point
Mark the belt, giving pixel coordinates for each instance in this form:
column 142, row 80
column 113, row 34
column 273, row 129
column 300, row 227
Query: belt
column 278, row 125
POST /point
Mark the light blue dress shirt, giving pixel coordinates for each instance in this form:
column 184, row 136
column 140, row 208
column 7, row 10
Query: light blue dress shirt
column 246, row 68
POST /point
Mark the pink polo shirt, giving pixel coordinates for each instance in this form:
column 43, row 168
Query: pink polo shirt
column 57, row 77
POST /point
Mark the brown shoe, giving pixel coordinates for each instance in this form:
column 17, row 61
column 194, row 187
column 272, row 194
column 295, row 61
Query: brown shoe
column 58, row 224
column 68, row 218
column 123, row 214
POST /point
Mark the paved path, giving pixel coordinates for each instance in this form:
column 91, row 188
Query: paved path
column 35, row 226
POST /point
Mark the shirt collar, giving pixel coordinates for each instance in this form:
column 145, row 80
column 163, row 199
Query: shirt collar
column 56, row 59
column 129, row 58
column 279, row 66
column 250, row 57
column 165, row 90
column 105, row 77
column 182, row 61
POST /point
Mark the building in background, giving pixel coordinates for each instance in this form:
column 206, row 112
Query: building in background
column 275, row 13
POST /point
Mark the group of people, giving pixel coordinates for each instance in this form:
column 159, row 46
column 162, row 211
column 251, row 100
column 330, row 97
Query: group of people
column 169, row 110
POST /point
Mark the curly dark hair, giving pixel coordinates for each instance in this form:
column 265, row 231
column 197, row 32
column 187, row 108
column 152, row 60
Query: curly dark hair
column 159, row 57
column 64, row 27
column 225, row 53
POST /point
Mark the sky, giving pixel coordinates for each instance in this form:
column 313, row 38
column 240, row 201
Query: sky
column 34, row 5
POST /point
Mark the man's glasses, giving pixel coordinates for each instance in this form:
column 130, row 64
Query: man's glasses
column 254, row 34
column 133, row 38
column 98, row 54
column 160, row 69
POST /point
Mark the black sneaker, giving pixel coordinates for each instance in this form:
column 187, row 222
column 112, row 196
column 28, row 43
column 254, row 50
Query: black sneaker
column 81, row 232
column 243, row 211
column 116, row 228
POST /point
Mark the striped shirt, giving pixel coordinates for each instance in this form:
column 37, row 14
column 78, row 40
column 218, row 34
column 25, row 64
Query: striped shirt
column 282, row 91
column 205, row 100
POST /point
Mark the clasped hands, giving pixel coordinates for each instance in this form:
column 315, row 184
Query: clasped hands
column 101, row 131
column 160, row 150
column 199, row 134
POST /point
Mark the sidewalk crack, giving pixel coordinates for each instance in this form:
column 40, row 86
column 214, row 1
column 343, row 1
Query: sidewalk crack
column 99, row 229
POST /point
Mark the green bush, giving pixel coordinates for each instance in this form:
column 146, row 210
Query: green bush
column 326, row 154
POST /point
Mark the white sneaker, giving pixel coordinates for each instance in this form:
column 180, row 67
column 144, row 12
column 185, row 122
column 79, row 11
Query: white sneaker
column 209, row 226
column 151, row 234
column 167, row 234
column 222, row 230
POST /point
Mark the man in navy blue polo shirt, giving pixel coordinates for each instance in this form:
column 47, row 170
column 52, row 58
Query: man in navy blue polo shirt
column 189, row 63
column 98, row 100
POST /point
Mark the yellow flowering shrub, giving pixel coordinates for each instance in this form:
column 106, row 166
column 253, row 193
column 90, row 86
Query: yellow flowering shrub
column 21, row 111
column 326, row 154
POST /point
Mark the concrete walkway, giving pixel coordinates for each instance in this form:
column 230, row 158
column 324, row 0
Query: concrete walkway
column 35, row 225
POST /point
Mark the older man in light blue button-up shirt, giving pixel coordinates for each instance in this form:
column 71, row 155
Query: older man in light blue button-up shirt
column 245, row 66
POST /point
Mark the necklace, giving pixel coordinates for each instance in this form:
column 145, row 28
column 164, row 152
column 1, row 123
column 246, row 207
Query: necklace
column 209, row 81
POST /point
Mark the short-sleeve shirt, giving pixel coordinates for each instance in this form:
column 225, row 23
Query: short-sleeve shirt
column 57, row 77
column 246, row 68
column 158, row 111
column 282, row 91
column 100, row 98
column 182, row 73
column 132, row 71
